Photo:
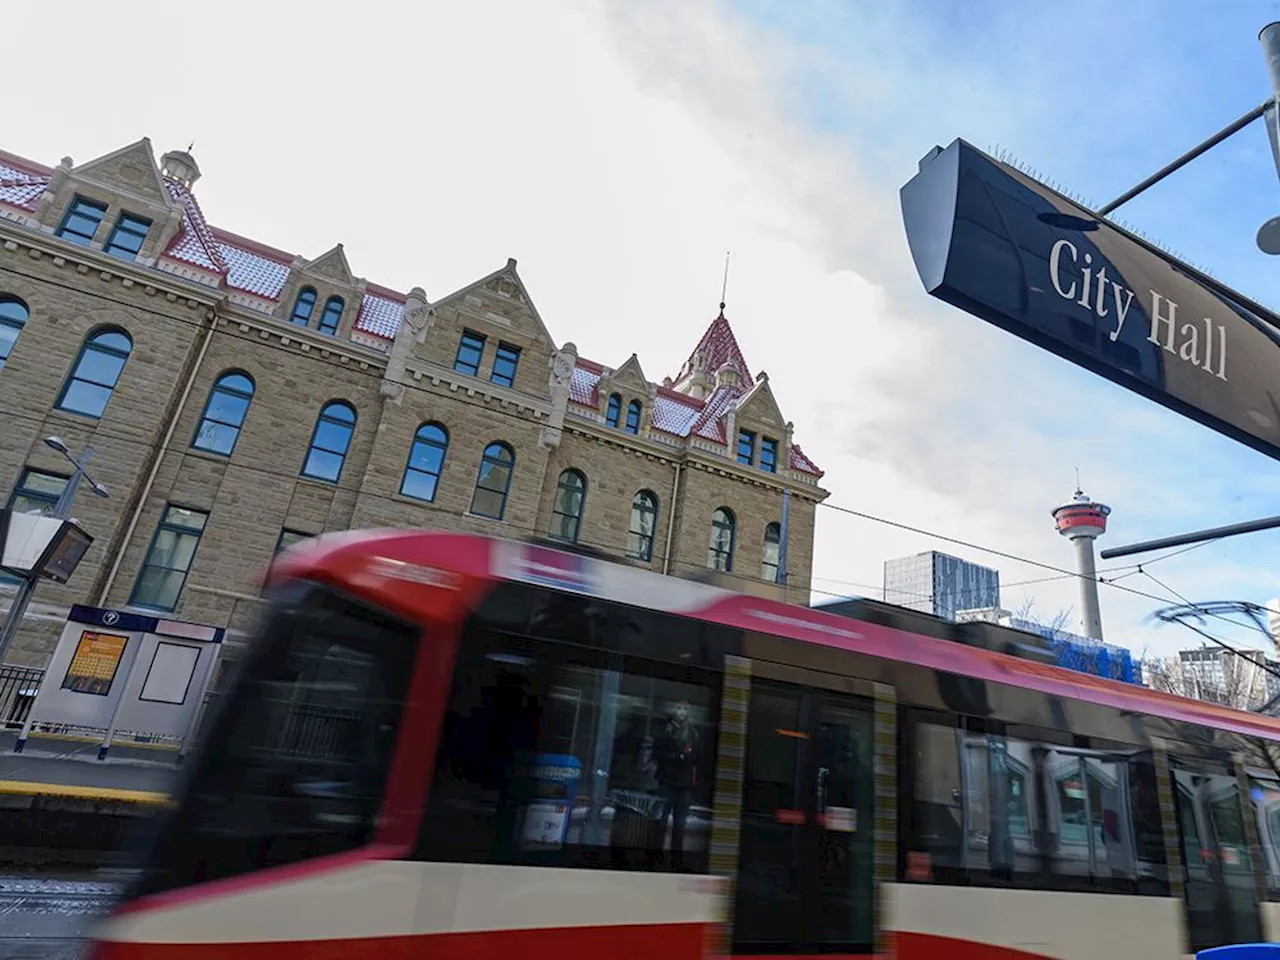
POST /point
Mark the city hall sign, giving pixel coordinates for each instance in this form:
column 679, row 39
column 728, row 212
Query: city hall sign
column 1008, row 249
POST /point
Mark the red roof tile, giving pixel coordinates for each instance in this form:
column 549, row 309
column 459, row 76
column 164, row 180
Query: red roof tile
column 584, row 383
column 256, row 268
column 678, row 413
column 719, row 347
column 195, row 242
column 21, row 184
column 380, row 314
column 251, row 272
column 709, row 424
column 802, row 463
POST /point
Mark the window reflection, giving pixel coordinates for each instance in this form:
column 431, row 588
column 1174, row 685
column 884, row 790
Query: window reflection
column 563, row 763
column 1017, row 808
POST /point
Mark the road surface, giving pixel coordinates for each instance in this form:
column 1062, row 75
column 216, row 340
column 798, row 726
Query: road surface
column 48, row 919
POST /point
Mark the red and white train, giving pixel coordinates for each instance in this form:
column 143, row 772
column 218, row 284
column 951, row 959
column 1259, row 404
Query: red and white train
column 451, row 746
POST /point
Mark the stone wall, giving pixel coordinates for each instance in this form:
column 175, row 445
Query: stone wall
column 186, row 334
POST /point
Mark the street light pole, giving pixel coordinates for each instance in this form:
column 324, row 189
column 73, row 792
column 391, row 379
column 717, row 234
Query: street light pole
column 61, row 510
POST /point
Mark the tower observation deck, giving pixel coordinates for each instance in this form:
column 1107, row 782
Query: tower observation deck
column 1082, row 521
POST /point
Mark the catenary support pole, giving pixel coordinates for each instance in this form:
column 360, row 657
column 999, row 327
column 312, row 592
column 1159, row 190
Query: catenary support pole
column 1198, row 536
column 1186, row 158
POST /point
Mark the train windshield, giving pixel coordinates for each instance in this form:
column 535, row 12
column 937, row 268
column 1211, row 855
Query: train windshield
column 297, row 760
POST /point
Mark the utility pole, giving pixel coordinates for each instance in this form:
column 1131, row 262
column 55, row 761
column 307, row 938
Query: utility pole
column 61, row 511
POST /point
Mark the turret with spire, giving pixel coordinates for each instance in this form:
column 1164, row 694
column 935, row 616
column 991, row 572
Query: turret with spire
column 715, row 361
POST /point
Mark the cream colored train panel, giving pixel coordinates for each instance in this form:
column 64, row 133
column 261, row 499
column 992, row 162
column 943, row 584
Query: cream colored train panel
column 931, row 921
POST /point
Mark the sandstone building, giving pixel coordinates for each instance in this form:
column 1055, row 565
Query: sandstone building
column 238, row 398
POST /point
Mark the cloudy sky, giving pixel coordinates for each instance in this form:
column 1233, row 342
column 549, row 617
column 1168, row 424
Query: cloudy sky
column 617, row 150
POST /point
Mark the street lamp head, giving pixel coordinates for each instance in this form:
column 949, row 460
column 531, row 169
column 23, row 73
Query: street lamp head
column 100, row 490
column 57, row 443
column 1269, row 237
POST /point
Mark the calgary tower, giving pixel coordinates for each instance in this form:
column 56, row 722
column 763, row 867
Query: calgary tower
column 1082, row 521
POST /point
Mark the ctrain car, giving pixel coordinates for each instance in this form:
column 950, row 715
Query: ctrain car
column 451, row 746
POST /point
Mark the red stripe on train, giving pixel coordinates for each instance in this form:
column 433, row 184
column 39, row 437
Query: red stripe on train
column 681, row 941
column 927, row 946
column 665, row 941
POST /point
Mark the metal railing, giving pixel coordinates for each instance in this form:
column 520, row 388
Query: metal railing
column 18, row 688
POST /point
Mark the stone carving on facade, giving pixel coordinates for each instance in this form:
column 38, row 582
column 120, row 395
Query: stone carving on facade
column 562, row 363
column 731, row 428
column 419, row 316
column 56, row 182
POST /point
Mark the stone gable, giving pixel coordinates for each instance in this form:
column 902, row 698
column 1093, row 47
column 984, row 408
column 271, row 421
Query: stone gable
column 132, row 169
column 331, row 266
column 187, row 335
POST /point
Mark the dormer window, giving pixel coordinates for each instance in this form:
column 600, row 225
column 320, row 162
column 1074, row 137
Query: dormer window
column 746, row 447
column 633, row 417
column 302, row 307
column 127, row 238
column 769, row 455
column 504, row 365
column 470, row 350
column 331, row 316
column 614, row 411
column 81, row 221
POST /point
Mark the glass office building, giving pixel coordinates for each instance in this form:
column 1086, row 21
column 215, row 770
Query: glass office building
column 940, row 584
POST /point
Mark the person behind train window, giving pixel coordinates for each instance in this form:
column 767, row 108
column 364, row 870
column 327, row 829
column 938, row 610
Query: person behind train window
column 676, row 756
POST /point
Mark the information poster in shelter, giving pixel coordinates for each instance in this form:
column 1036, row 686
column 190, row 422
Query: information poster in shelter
column 94, row 665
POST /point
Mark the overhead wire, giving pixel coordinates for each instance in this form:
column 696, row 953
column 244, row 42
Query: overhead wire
column 186, row 450
column 259, row 344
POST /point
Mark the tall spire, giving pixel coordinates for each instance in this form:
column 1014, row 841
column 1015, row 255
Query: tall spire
column 724, row 287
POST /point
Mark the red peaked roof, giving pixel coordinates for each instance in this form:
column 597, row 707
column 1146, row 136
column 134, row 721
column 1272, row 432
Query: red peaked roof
column 255, row 268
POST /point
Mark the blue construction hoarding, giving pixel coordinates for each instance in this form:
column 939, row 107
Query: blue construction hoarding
column 1088, row 656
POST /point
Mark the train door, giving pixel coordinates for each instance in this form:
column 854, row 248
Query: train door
column 806, row 859
column 1222, row 903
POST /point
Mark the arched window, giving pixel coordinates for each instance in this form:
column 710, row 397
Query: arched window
column 426, row 460
column 723, row 528
column 330, row 441
column 224, row 413
column 303, row 306
column 772, row 547
column 13, row 317
column 613, row 411
column 633, row 416
column 93, row 378
column 493, row 481
column 331, row 316
column 566, row 509
column 644, row 522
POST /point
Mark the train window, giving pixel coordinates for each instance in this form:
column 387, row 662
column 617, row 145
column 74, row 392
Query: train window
column 1148, row 826
column 975, row 802
column 296, row 763
column 1089, row 826
column 1265, row 793
column 990, row 808
column 939, row 809
column 554, row 756
column 1221, row 900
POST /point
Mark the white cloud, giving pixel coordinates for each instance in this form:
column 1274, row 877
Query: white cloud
column 617, row 150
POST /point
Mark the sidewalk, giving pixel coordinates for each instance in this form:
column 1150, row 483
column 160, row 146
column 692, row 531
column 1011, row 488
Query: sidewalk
column 71, row 769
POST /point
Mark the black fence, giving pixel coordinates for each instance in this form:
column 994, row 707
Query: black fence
column 18, row 688
column 318, row 732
